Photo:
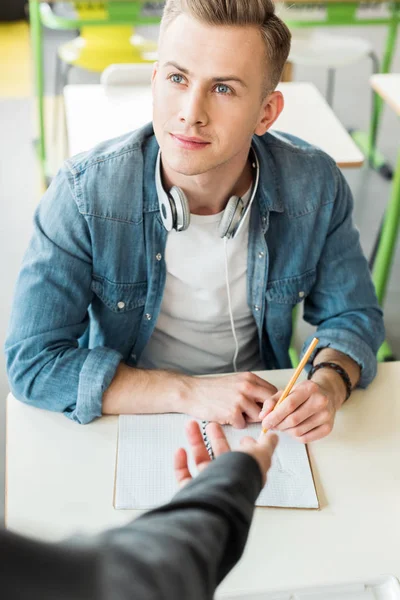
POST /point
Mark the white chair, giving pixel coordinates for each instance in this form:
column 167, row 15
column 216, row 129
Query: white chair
column 312, row 47
column 127, row 74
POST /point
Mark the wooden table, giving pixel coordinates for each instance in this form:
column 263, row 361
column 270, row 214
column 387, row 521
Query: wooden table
column 60, row 479
column 95, row 113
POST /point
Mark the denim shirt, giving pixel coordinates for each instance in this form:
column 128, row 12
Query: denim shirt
column 91, row 284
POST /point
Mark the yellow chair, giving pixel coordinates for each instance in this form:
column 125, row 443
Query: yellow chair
column 97, row 47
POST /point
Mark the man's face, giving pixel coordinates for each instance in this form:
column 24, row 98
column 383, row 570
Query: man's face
column 207, row 94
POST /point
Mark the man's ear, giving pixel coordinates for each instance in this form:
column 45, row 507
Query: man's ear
column 272, row 107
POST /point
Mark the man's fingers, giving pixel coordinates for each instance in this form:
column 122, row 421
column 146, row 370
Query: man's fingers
column 258, row 389
column 268, row 406
column 218, row 440
column 196, row 442
column 315, row 434
column 238, row 420
column 181, row 468
column 265, row 385
column 251, row 409
column 262, row 450
column 314, row 407
column 248, row 442
column 317, row 420
column 266, row 443
column 295, row 399
column 268, row 440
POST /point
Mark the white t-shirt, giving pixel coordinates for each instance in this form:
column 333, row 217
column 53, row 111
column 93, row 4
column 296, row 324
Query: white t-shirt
column 193, row 332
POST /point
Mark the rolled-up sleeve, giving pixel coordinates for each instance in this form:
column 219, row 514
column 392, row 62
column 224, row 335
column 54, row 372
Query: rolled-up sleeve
column 342, row 303
column 46, row 365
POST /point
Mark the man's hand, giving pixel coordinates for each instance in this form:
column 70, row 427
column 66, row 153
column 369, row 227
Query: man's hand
column 226, row 399
column 307, row 414
column 261, row 450
column 229, row 400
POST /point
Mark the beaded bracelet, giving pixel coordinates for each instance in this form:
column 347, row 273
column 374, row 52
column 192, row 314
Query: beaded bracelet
column 339, row 370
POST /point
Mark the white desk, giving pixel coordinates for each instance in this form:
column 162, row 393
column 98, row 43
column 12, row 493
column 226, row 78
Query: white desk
column 60, row 479
column 95, row 113
column 388, row 86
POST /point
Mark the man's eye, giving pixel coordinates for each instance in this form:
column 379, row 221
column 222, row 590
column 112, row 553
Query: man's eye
column 221, row 88
column 176, row 78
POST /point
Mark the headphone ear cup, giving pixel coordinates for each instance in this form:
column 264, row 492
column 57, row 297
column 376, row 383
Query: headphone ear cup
column 231, row 217
column 167, row 210
column 181, row 208
column 166, row 203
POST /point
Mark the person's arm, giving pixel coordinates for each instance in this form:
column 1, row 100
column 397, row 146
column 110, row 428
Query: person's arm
column 47, row 367
column 342, row 303
column 343, row 306
column 231, row 399
column 330, row 380
column 181, row 550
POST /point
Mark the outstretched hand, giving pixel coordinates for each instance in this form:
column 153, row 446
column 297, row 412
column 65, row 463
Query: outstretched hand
column 261, row 450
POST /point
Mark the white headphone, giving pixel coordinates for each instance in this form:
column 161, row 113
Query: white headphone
column 174, row 206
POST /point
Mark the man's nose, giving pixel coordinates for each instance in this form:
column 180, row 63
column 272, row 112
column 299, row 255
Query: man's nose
column 194, row 109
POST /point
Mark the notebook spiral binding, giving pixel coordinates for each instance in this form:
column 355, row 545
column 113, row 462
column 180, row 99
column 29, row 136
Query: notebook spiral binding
column 207, row 442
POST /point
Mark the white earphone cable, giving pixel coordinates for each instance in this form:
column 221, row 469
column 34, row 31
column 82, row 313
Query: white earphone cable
column 230, row 307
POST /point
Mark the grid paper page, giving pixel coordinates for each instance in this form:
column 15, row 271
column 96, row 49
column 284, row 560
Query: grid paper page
column 289, row 482
column 145, row 474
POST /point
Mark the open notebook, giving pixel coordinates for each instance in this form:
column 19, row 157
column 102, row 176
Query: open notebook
column 145, row 475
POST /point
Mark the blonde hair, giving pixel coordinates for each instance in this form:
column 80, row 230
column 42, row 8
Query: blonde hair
column 259, row 13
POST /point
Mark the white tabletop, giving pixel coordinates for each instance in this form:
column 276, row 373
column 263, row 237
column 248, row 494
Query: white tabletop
column 60, row 479
column 95, row 113
column 388, row 86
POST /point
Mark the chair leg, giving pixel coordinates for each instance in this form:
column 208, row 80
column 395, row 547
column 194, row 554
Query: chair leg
column 61, row 80
column 372, row 151
column 330, row 86
column 384, row 169
column 374, row 110
column 57, row 86
column 375, row 247
column 388, row 238
column 65, row 76
column 386, row 251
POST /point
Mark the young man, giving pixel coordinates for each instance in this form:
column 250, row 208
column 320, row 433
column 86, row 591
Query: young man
column 181, row 550
column 182, row 248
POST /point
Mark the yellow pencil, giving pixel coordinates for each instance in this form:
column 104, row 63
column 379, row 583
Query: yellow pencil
column 295, row 375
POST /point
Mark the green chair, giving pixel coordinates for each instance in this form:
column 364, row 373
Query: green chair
column 300, row 14
column 107, row 14
column 96, row 48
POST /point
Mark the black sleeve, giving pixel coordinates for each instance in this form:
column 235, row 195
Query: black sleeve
column 181, row 550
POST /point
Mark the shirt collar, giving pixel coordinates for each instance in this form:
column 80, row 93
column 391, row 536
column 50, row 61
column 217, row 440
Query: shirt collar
column 267, row 194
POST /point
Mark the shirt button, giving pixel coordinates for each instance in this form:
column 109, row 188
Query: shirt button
column 261, row 255
column 133, row 356
column 158, row 256
column 121, row 305
column 148, row 316
column 301, row 294
column 256, row 308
